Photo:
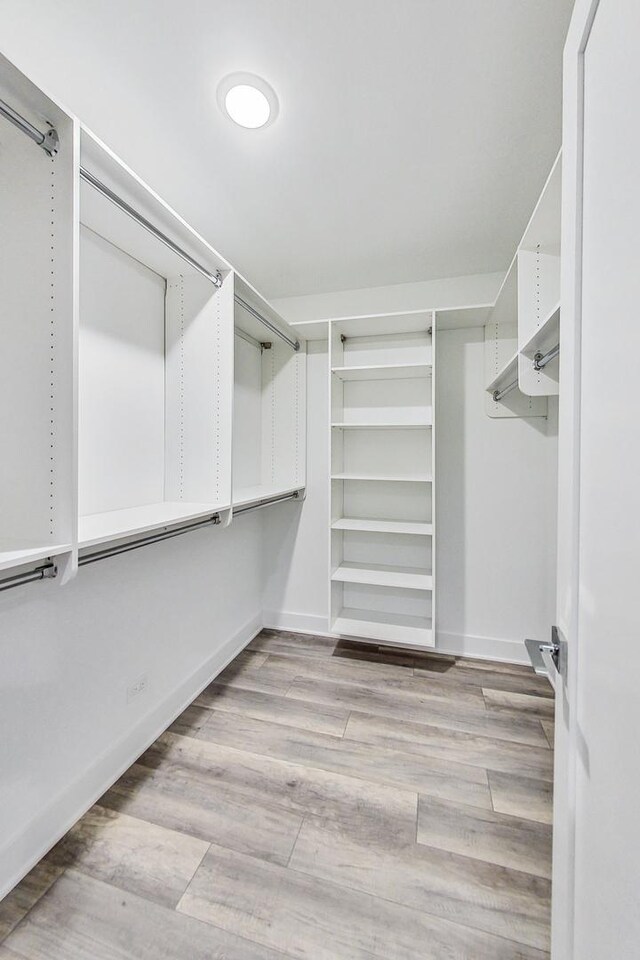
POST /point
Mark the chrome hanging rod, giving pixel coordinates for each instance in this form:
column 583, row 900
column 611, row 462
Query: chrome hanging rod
column 499, row 395
column 45, row 572
column 541, row 360
column 49, row 140
column 117, row 201
column 146, row 541
column 267, row 323
column 267, row 503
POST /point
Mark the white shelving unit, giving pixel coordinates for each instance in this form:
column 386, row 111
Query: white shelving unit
column 539, row 291
column 501, row 356
column 447, row 318
column 269, row 419
column 117, row 359
column 523, row 327
column 155, row 363
column 382, row 531
column 37, row 333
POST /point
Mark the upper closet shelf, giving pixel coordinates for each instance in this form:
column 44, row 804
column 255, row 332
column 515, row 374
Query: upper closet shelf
column 463, row 317
column 257, row 319
column 544, row 227
column 114, row 524
column 248, row 496
column 386, row 371
column 311, row 329
column 383, row 324
column 546, row 337
column 450, row 318
column 508, row 375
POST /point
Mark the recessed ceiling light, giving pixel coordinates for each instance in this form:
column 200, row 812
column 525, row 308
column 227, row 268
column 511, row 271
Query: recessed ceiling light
column 247, row 100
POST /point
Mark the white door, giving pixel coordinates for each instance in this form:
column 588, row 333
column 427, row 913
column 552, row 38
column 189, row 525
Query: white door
column 596, row 910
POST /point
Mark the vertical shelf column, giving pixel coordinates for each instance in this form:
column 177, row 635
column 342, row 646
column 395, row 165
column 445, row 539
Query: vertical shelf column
column 382, row 461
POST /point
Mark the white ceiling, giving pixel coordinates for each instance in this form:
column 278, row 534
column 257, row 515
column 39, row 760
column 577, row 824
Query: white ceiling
column 413, row 137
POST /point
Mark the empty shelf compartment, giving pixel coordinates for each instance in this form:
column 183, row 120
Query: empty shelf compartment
column 383, row 526
column 384, row 627
column 382, row 425
column 408, row 578
column 384, row 371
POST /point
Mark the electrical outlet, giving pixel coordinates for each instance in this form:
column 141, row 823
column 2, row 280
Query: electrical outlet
column 137, row 687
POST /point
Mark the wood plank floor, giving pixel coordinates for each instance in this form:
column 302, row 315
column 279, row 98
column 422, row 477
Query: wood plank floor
column 318, row 801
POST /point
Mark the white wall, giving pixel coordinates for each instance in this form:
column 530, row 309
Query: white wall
column 174, row 612
column 496, row 501
column 496, row 489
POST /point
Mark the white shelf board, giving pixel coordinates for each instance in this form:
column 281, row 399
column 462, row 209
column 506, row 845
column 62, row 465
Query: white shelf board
column 383, row 526
column 384, row 627
column 396, row 425
column 383, row 324
column 507, row 375
column 312, row 329
column 463, row 317
column 249, row 324
column 99, row 528
column 384, row 477
column 382, row 575
column 544, row 227
column 384, row 371
column 245, row 323
column 244, row 496
column 546, row 337
column 15, row 553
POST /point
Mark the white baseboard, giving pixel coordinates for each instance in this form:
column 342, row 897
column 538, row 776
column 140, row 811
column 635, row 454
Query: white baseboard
column 25, row 849
column 296, row 622
column 460, row 645
column 482, row 648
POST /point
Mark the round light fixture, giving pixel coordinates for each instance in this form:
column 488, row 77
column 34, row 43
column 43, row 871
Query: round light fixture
column 247, row 100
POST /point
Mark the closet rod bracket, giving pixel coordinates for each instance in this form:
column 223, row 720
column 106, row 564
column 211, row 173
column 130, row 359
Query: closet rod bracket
column 498, row 395
column 49, row 140
column 540, row 360
column 47, row 571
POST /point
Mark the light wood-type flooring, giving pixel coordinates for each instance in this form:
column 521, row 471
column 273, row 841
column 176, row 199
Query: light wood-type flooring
column 320, row 801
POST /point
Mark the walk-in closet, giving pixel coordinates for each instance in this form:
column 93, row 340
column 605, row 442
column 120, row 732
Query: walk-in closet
column 318, row 482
